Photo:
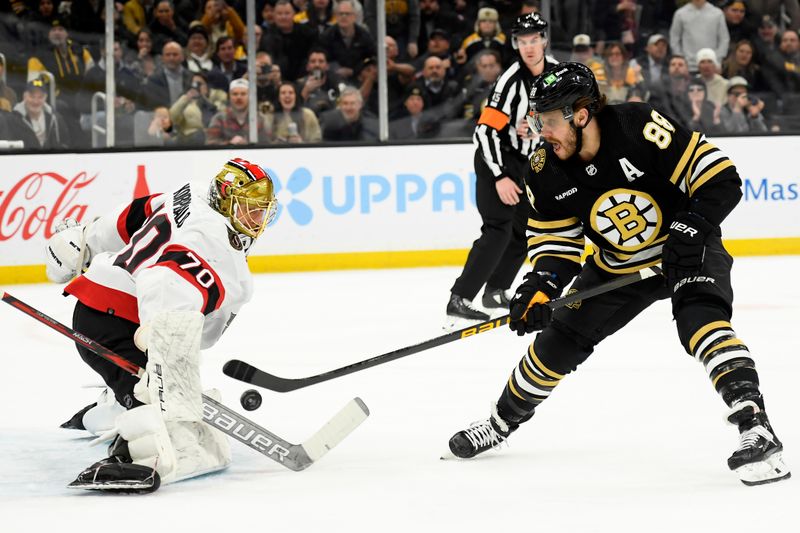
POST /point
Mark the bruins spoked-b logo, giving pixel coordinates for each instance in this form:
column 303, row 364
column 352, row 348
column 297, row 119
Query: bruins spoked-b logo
column 537, row 161
column 628, row 219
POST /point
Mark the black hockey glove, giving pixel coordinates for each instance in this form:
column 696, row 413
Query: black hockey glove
column 528, row 310
column 684, row 249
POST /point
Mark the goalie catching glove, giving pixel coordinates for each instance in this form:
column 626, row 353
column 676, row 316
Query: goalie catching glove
column 67, row 253
column 528, row 311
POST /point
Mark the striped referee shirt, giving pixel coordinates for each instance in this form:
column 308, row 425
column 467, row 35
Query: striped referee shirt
column 496, row 131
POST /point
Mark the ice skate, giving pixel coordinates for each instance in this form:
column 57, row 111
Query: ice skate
column 481, row 436
column 461, row 313
column 494, row 298
column 98, row 417
column 759, row 457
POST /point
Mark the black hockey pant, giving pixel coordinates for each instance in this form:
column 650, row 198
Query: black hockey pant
column 116, row 334
column 497, row 255
column 701, row 306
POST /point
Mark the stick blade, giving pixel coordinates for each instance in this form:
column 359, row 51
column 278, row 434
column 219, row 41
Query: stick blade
column 340, row 426
column 247, row 373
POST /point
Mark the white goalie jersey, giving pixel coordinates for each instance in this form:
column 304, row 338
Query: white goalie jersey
column 166, row 252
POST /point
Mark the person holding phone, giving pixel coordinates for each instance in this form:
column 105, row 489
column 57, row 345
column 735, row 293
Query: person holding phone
column 742, row 113
column 319, row 87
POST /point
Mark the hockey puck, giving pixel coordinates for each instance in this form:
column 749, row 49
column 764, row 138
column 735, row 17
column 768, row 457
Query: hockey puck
column 250, row 400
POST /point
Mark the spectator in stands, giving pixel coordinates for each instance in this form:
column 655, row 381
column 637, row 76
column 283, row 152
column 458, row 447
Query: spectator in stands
column 288, row 43
column 768, row 54
column 638, row 94
column 439, row 46
column 716, row 85
column 145, row 62
column 653, row 62
column 348, row 43
column 740, row 62
column 320, row 87
column 68, row 63
column 198, row 56
column 698, row 24
column 402, row 23
column 159, row 132
column 292, row 122
column 8, row 98
column 170, row 80
column 739, row 26
column 583, row 52
column 416, row 124
column 318, row 14
column 742, row 114
column 226, row 67
column 221, row 20
column 790, row 53
column 487, row 34
column 127, row 99
column 442, row 96
column 487, row 67
column 433, row 16
column 671, row 97
column 35, row 123
column 192, row 112
column 615, row 21
column 398, row 77
column 268, row 79
column 775, row 9
column 163, row 26
column 134, row 16
column 347, row 122
column 232, row 126
column 705, row 115
column 620, row 74
column 367, row 77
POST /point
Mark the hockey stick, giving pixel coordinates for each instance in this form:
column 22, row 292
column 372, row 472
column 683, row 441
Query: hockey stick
column 249, row 374
column 293, row 456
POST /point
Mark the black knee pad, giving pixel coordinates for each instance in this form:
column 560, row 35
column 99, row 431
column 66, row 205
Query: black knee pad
column 561, row 349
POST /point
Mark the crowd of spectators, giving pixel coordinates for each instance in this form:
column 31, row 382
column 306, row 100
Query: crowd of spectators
column 728, row 66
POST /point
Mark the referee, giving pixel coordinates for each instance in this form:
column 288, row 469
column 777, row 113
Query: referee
column 504, row 144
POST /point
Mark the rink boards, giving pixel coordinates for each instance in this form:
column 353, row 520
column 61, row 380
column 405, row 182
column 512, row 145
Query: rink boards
column 347, row 207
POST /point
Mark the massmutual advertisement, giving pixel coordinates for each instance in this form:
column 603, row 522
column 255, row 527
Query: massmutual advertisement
column 348, row 207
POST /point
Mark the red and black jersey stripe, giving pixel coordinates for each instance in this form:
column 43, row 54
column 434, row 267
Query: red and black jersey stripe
column 134, row 216
column 194, row 269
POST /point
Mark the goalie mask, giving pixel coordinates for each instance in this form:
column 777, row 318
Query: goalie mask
column 243, row 193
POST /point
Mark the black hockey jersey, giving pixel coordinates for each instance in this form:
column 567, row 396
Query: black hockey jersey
column 648, row 168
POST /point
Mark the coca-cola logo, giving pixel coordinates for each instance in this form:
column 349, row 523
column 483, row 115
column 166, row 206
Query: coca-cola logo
column 28, row 208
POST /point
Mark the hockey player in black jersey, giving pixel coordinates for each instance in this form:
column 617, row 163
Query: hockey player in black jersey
column 651, row 192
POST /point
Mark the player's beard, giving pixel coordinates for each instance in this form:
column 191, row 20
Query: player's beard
column 566, row 147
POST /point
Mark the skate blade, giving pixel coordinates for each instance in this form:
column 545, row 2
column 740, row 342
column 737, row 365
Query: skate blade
column 116, row 486
column 449, row 456
column 767, row 471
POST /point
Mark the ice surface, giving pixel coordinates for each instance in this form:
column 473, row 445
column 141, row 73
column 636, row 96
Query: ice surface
column 634, row 441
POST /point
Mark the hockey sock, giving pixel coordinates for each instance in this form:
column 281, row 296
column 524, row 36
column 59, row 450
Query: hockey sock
column 529, row 385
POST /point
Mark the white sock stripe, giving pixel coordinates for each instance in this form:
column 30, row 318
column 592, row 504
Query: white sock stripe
column 718, row 360
column 535, row 369
column 701, row 348
column 527, row 386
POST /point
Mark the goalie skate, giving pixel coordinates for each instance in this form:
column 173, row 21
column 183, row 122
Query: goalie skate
column 759, row 457
column 115, row 474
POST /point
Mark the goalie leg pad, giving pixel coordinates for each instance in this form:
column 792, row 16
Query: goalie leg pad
column 173, row 365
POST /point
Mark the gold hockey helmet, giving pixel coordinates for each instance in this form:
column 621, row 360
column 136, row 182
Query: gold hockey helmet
column 243, row 193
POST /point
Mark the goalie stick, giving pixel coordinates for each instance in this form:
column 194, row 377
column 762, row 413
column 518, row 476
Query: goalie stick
column 249, row 374
column 293, row 456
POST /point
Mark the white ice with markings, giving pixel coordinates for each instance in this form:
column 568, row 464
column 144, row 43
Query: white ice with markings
column 633, row 441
